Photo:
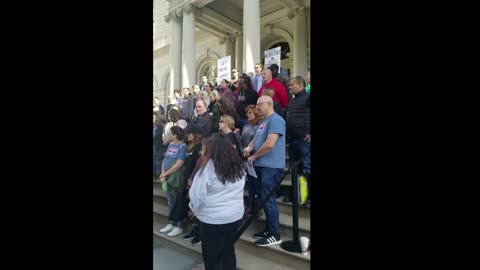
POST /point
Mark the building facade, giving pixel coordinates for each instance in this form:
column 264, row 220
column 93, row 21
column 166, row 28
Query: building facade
column 191, row 35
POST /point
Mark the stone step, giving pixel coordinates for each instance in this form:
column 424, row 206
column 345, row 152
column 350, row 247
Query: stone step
column 249, row 256
column 160, row 207
column 169, row 255
column 285, row 207
column 285, row 211
column 254, row 227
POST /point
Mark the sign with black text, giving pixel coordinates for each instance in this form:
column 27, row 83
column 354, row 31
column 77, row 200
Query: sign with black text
column 273, row 56
column 224, row 68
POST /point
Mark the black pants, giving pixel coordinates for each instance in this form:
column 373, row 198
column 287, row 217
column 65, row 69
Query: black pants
column 218, row 249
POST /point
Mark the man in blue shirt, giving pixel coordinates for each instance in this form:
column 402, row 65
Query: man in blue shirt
column 257, row 80
column 268, row 158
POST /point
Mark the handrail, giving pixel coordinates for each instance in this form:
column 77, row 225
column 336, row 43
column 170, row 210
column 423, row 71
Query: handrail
column 254, row 214
column 294, row 244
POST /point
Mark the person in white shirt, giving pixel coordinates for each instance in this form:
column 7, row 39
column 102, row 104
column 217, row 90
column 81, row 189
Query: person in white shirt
column 216, row 199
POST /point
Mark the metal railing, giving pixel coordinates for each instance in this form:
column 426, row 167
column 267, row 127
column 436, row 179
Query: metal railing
column 293, row 245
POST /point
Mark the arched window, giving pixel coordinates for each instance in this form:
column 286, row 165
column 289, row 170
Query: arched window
column 210, row 72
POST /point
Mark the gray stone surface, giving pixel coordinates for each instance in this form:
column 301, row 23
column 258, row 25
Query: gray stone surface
column 167, row 257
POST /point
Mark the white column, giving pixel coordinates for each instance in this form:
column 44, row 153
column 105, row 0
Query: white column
column 239, row 51
column 188, row 46
column 251, row 34
column 175, row 51
column 299, row 41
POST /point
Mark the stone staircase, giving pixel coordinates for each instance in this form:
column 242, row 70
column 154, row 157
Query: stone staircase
column 249, row 256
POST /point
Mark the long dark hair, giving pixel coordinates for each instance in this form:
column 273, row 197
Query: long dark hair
column 247, row 81
column 197, row 139
column 175, row 115
column 228, row 164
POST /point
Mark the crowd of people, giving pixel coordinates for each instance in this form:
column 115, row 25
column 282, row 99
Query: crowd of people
column 203, row 143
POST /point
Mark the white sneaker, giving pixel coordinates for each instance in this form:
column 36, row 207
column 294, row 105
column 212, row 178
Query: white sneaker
column 176, row 231
column 167, row 228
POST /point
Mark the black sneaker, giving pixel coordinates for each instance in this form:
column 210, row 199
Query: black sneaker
column 189, row 236
column 196, row 240
column 268, row 241
column 260, row 235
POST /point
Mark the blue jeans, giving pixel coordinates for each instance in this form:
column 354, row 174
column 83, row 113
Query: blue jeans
column 299, row 149
column 268, row 179
column 172, row 196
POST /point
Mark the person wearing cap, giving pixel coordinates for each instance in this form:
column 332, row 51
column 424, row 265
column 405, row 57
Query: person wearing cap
column 270, row 75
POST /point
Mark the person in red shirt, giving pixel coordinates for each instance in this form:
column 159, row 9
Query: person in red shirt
column 270, row 81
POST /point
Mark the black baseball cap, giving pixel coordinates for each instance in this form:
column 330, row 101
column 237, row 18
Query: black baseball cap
column 273, row 67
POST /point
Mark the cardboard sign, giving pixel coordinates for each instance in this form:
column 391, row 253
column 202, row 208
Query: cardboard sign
column 224, row 68
column 273, row 56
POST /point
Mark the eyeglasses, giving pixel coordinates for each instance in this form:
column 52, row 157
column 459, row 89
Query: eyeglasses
column 258, row 104
column 234, row 71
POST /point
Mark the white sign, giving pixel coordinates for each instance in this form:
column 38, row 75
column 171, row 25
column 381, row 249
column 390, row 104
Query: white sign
column 250, row 169
column 272, row 56
column 223, row 69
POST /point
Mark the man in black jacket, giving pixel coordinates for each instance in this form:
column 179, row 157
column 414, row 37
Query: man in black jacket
column 203, row 121
column 298, row 125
